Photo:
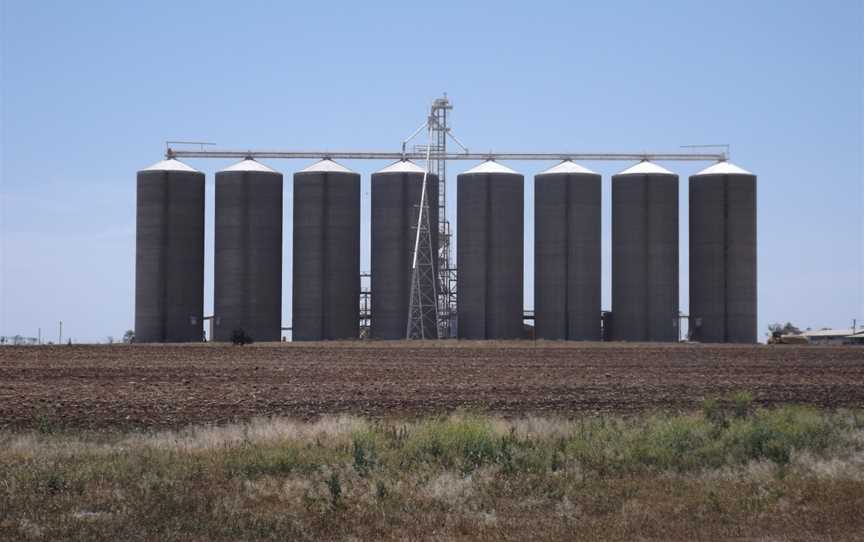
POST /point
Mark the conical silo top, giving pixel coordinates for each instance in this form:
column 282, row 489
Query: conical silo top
column 248, row 164
column 646, row 167
column 723, row 168
column 490, row 166
column 326, row 166
column 567, row 167
column 402, row 166
column 172, row 164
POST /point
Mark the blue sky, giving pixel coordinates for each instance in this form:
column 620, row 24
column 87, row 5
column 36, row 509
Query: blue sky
column 91, row 90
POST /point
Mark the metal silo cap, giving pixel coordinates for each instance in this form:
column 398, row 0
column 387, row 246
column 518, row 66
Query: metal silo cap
column 567, row 166
column 171, row 164
column 248, row 164
column 646, row 167
column 402, row 166
column 490, row 166
column 326, row 166
column 723, row 168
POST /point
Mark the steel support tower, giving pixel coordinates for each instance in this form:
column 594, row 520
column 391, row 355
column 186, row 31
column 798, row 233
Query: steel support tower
column 435, row 151
column 423, row 317
column 446, row 269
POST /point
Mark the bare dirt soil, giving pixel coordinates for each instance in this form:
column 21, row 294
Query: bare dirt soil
column 162, row 386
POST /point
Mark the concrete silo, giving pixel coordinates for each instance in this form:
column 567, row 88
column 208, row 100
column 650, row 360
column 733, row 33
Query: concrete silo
column 169, row 254
column 723, row 255
column 248, row 256
column 567, row 212
column 645, row 254
column 490, row 199
column 326, row 270
column 396, row 192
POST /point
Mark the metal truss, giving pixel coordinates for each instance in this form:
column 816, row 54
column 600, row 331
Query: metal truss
column 423, row 305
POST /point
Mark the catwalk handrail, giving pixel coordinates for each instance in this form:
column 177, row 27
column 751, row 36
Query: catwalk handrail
column 363, row 155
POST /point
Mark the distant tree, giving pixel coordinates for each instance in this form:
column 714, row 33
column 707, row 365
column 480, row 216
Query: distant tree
column 778, row 329
column 18, row 340
column 129, row 336
column 109, row 339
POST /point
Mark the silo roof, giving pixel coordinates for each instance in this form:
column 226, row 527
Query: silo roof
column 490, row 166
column 645, row 167
column 724, row 168
column 567, row 166
column 171, row 164
column 249, row 165
column 326, row 166
column 402, row 166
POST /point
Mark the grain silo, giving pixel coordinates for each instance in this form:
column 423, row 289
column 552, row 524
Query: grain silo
column 169, row 254
column 567, row 210
column 247, row 274
column 723, row 255
column 396, row 192
column 326, row 270
column 490, row 199
column 645, row 254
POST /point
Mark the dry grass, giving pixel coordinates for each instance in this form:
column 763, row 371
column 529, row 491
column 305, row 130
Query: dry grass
column 730, row 471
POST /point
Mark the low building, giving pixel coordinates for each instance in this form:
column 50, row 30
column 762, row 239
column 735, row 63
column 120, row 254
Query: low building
column 856, row 338
column 831, row 337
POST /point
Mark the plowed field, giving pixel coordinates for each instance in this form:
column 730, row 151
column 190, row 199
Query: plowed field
column 170, row 386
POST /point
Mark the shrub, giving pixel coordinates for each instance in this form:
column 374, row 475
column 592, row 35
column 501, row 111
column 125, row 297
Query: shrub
column 254, row 461
column 742, row 402
column 464, row 441
column 363, row 452
column 44, row 425
column 676, row 443
column 713, row 412
column 334, row 486
column 735, row 405
column 381, row 491
column 687, row 442
column 240, row 337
